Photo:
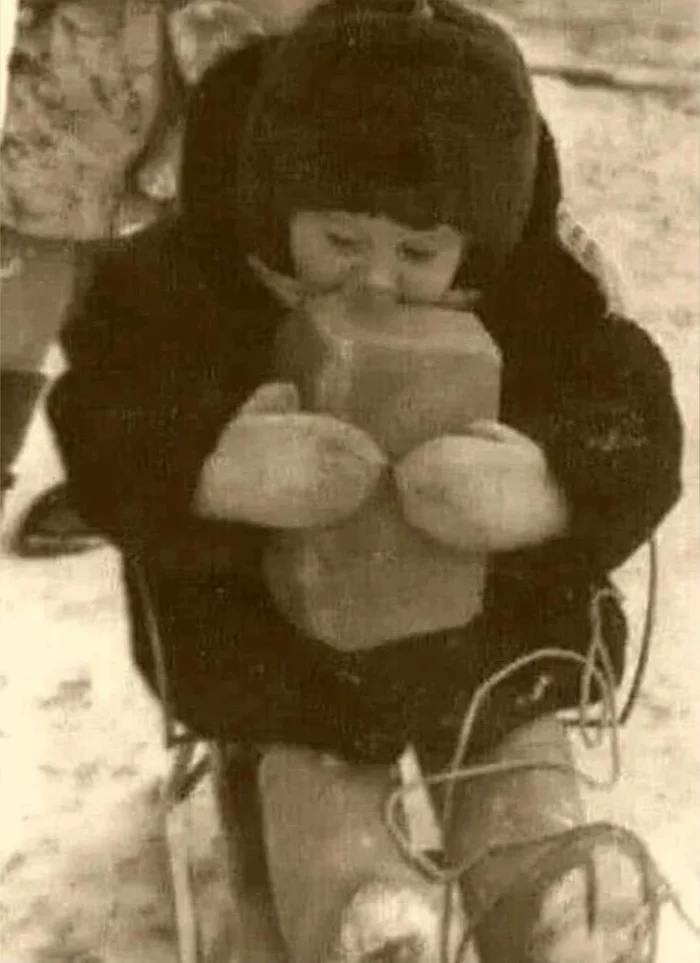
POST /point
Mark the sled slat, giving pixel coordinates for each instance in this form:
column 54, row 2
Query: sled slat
column 423, row 826
column 176, row 829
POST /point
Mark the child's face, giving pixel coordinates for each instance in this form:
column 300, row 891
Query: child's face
column 375, row 255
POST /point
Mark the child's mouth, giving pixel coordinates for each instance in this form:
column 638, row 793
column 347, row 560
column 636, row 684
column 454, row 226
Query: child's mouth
column 292, row 293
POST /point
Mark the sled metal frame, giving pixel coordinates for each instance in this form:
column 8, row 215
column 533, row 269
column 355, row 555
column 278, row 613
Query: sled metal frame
column 191, row 759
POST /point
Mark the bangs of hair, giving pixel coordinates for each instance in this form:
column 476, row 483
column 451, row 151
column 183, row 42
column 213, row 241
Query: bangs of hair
column 388, row 116
column 398, row 177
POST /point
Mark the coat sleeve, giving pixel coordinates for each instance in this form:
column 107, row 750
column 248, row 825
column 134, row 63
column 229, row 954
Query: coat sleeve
column 595, row 391
column 139, row 409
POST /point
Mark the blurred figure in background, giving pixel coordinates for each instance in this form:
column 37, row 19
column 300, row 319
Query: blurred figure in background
column 93, row 95
column 83, row 90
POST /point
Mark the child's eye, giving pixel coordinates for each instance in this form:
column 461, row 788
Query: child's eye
column 419, row 255
column 346, row 243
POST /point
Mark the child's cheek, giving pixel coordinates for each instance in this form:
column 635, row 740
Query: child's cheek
column 429, row 283
column 323, row 270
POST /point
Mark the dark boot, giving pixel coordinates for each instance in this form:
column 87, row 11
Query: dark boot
column 19, row 395
column 52, row 527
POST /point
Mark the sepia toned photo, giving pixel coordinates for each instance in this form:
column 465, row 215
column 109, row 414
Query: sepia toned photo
column 349, row 413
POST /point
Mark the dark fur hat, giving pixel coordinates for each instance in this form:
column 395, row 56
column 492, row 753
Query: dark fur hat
column 428, row 118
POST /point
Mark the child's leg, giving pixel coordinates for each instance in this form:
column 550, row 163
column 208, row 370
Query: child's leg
column 41, row 277
column 520, row 807
column 19, row 395
column 575, row 896
column 344, row 892
column 37, row 284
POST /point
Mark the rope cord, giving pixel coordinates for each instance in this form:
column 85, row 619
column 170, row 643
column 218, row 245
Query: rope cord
column 597, row 678
column 647, row 632
column 580, row 721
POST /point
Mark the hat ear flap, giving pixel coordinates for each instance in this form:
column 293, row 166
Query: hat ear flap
column 551, row 278
column 547, row 192
column 540, row 226
column 216, row 113
column 540, row 230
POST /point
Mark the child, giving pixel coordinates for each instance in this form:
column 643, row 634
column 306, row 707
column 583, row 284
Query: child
column 68, row 187
column 402, row 156
column 81, row 100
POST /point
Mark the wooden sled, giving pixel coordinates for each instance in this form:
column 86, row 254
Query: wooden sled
column 326, row 853
column 238, row 772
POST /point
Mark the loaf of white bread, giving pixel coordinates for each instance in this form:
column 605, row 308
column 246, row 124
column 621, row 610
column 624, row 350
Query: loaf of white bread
column 403, row 374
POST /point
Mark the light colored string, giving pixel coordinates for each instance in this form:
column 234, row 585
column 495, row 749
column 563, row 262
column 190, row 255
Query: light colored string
column 597, row 676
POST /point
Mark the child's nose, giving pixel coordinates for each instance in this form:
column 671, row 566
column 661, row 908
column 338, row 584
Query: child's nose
column 381, row 277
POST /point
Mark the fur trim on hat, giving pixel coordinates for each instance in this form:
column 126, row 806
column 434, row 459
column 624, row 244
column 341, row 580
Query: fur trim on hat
column 428, row 120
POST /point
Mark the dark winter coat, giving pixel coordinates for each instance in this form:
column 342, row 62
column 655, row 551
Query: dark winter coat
column 174, row 332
